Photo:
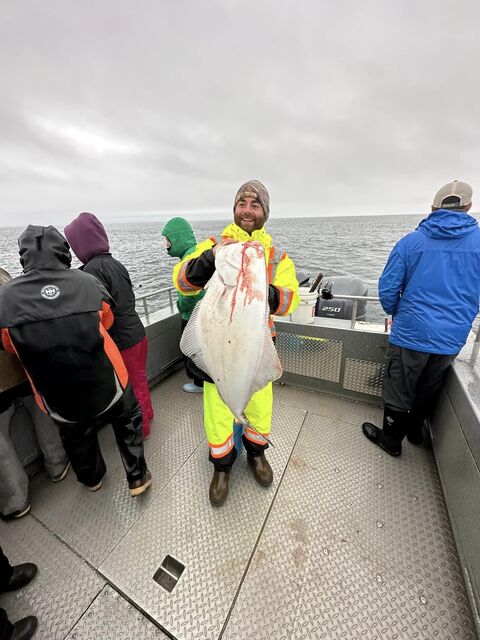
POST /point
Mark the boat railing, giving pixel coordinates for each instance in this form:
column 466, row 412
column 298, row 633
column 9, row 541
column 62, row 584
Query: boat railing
column 356, row 300
column 141, row 300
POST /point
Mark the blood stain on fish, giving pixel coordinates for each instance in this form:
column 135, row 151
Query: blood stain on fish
column 246, row 278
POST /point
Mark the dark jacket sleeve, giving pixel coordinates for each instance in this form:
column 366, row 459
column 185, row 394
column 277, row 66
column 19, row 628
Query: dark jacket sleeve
column 273, row 298
column 201, row 269
column 114, row 281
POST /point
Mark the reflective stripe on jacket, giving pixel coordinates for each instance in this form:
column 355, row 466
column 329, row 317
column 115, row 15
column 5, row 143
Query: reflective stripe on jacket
column 180, row 279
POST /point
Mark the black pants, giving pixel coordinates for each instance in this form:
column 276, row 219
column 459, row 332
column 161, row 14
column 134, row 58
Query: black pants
column 190, row 367
column 6, row 570
column 413, row 379
column 81, row 442
column 225, row 463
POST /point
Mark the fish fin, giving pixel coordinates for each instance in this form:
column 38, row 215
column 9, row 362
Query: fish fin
column 190, row 342
column 244, row 420
column 269, row 367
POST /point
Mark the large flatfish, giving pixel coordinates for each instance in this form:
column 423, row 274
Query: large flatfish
column 228, row 335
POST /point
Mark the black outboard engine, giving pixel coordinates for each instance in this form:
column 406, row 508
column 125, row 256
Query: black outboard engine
column 338, row 308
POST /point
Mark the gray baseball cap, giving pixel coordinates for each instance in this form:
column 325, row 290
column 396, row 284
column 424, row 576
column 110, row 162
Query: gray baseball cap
column 461, row 191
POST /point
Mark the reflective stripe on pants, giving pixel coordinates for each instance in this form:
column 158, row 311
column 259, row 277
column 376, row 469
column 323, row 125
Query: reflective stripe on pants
column 218, row 419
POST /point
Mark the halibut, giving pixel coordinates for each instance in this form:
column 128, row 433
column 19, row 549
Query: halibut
column 228, row 335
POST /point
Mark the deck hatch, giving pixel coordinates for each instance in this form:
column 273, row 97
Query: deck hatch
column 168, row 574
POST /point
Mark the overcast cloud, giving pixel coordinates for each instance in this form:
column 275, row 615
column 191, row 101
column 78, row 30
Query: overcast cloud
column 136, row 109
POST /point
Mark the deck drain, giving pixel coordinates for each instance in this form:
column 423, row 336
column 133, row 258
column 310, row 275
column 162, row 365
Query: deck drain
column 168, row 574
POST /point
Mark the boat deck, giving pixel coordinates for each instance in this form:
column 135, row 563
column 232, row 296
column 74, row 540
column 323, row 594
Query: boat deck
column 347, row 543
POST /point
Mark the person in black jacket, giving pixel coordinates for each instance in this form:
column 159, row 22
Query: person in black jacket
column 89, row 241
column 56, row 320
column 16, row 399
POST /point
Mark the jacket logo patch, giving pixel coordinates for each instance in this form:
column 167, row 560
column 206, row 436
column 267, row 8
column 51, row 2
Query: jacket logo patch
column 50, row 292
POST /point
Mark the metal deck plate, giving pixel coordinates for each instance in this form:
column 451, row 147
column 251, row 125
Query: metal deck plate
column 215, row 545
column 357, row 545
column 328, row 406
column 62, row 590
column 352, row 543
column 93, row 523
column 111, row 617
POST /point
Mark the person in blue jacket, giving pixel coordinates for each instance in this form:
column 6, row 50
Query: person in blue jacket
column 431, row 287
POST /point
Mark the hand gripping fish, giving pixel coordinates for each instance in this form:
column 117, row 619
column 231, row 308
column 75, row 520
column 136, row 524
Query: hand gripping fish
column 228, row 335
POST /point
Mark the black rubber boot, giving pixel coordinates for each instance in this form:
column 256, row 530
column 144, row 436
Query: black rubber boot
column 390, row 437
column 416, row 425
column 24, row 629
column 21, row 576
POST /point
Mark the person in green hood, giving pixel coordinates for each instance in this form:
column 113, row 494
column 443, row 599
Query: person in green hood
column 181, row 242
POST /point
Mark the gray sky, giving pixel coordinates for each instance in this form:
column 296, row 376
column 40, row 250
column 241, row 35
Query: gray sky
column 135, row 109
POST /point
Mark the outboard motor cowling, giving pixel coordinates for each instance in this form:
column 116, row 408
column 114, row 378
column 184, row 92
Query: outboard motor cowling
column 342, row 309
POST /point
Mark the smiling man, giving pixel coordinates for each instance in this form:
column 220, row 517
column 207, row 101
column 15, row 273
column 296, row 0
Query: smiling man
column 251, row 210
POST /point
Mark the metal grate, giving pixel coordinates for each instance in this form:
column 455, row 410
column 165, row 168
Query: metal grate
column 309, row 356
column 363, row 376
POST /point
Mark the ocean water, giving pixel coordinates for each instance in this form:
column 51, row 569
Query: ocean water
column 356, row 246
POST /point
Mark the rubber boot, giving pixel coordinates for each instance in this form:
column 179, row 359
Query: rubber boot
column 24, row 629
column 415, row 426
column 390, row 437
column 261, row 470
column 21, row 576
column 219, row 487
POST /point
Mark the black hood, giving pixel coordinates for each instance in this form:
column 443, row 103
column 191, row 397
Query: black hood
column 43, row 248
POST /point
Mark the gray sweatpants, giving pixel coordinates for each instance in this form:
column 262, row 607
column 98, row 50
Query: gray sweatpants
column 13, row 479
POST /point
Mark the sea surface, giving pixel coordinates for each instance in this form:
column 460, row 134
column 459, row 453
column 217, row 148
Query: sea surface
column 357, row 246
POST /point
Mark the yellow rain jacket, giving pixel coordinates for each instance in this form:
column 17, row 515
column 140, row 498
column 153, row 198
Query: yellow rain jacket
column 218, row 418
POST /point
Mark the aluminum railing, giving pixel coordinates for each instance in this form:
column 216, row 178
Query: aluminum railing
column 143, row 300
column 170, row 290
column 356, row 299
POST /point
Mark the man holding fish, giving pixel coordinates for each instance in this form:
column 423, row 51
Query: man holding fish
column 229, row 336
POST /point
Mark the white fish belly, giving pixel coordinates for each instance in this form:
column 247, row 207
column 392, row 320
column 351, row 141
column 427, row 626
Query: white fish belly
column 230, row 326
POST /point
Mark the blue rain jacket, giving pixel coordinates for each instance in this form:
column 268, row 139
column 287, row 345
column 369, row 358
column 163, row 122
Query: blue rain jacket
column 431, row 283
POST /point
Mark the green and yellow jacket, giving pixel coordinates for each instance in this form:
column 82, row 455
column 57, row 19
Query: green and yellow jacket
column 183, row 243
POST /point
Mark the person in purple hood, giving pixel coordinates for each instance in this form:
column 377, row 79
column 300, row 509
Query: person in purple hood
column 89, row 241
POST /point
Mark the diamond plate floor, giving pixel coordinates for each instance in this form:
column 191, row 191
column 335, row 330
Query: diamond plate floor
column 214, row 544
column 111, row 616
column 63, row 588
column 93, row 523
column 348, row 543
column 357, row 545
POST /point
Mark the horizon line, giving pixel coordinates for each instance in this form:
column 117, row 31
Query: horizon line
column 129, row 219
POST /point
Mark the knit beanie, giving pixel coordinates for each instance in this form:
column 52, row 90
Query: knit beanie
column 254, row 189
